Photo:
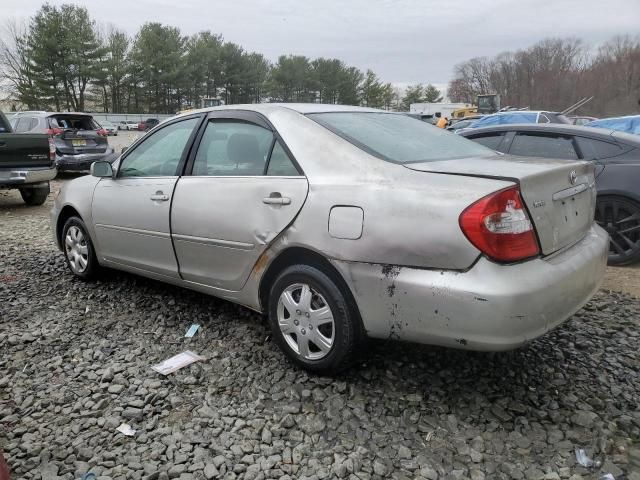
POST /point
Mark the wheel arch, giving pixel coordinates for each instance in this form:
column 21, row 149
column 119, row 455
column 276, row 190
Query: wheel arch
column 304, row 256
column 65, row 214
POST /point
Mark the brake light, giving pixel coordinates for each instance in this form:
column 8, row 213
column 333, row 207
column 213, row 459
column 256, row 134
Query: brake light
column 55, row 131
column 102, row 132
column 52, row 149
column 499, row 226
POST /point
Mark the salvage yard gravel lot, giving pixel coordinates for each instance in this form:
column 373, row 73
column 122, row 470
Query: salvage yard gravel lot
column 75, row 363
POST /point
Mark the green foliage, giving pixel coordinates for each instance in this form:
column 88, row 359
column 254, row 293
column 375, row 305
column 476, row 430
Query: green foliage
column 62, row 62
column 420, row 94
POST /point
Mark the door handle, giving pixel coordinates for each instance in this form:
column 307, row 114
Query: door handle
column 159, row 197
column 276, row 198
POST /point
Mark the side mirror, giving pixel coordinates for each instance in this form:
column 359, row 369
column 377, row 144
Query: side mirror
column 124, row 149
column 101, row 169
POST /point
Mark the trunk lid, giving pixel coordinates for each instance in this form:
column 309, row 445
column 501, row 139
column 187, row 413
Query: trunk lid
column 559, row 194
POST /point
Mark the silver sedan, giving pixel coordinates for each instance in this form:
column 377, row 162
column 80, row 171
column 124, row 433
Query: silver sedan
column 341, row 223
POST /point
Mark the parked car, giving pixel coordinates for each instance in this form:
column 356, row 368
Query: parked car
column 148, row 124
column 79, row 140
column 127, row 125
column 457, row 125
column 343, row 222
column 519, row 116
column 628, row 124
column 617, row 159
column 109, row 127
column 27, row 163
column 581, row 120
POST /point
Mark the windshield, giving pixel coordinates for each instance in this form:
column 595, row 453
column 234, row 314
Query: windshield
column 398, row 138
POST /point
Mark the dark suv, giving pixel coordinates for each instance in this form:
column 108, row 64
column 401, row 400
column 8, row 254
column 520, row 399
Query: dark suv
column 79, row 140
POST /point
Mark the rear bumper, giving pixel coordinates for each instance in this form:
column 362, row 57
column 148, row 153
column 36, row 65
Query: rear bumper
column 490, row 307
column 81, row 162
column 15, row 177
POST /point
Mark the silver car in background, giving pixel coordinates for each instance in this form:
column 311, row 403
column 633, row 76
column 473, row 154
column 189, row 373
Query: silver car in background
column 341, row 223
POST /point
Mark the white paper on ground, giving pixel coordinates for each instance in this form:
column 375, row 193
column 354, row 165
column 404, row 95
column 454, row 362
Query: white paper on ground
column 177, row 362
column 126, row 429
column 192, row 330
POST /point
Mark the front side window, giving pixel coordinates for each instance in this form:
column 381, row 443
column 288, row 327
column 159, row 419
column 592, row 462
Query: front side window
column 160, row 153
column 398, row 138
column 233, row 148
column 546, row 146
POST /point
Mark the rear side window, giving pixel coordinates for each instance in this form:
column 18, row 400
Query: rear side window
column 491, row 140
column 546, row 146
column 280, row 164
column 233, row 148
column 23, row 125
column 398, row 138
column 600, row 149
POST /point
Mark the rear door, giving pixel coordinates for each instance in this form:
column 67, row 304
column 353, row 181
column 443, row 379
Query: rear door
column 243, row 189
column 131, row 212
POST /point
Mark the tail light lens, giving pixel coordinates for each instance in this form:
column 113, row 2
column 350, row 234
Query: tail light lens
column 102, row 132
column 499, row 226
column 52, row 149
column 55, row 131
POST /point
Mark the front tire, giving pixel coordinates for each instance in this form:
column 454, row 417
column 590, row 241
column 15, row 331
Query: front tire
column 311, row 320
column 35, row 196
column 79, row 252
column 620, row 217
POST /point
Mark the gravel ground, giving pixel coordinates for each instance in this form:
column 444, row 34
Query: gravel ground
column 75, row 364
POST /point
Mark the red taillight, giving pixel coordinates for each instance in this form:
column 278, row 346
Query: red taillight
column 499, row 226
column 52, row 149
column 102, row 132
column 55, row 131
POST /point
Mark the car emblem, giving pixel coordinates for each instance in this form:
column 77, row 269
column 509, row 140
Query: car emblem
column 573, row 176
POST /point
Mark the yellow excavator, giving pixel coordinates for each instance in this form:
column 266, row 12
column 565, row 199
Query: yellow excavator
column 486, row 104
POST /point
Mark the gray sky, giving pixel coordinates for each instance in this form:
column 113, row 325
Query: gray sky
column 403, row 41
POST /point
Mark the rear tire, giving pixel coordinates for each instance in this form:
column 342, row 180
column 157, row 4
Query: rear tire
column 620, row 217
column 78, row 249
column 35, row 196
column 311, row 320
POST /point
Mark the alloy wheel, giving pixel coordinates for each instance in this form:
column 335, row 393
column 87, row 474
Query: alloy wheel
column 621, row 219
column 76, row 249
column 306, row 321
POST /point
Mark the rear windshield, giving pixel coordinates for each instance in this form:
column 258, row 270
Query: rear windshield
column 398, row 138
column 73, row 122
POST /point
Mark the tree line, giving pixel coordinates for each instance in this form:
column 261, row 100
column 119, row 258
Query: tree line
column 555, row 73
column 62, row 60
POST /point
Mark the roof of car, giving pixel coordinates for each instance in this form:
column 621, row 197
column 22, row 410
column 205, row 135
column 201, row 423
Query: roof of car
column 556, row 128
column 304, row 108
column 49, row 114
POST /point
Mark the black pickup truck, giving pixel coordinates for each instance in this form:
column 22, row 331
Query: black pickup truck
column 27, row 162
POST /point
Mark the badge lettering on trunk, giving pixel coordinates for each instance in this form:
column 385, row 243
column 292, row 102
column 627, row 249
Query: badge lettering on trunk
column 573, row 176
column 538, row 203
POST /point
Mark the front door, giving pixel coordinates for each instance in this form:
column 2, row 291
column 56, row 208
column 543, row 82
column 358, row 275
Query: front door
column 131, row 212
column 244, row 189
